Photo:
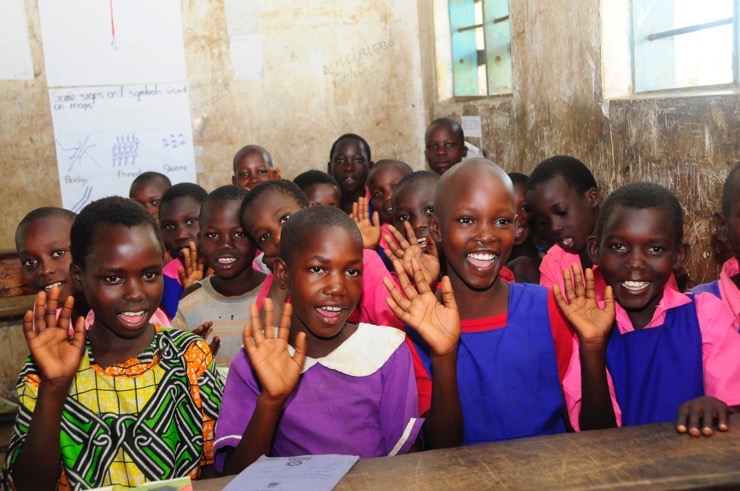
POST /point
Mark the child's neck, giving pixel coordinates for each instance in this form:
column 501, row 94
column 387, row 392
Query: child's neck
column 479, row 304
column 109, row 349
column 244, row 282
column 641, row 318
column 319, row 348
column 348, row 199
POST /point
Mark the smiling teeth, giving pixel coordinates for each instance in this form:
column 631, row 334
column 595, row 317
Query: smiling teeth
column 567, row 241
column 226, row 260
column 133, row 314
column 635, row 285
column 332, row 309
column 49, row 287
column 482, row 256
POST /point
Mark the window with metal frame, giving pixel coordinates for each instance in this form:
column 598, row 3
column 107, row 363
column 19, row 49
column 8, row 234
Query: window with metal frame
column 684, row 43
column 481, row 47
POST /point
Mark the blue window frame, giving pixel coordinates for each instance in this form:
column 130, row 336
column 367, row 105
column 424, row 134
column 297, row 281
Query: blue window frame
column 481, row 47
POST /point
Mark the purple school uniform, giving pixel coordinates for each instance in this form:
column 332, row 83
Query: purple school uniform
column 359, row 400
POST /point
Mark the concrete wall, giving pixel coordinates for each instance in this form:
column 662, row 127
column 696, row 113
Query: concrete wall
column 686, row 143
column 331, row 67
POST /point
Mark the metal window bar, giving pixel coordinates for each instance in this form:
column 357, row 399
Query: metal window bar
column 688, row 29
column 478, row 26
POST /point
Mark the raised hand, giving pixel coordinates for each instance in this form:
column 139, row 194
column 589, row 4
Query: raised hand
column 192, row 267
column 696, row 416
column 278, row 372
column 202, row 331
column 438, row 324
column 407, row 248
column 273, row 173
column 56, row 354
column 582, row 310
column 370, row 230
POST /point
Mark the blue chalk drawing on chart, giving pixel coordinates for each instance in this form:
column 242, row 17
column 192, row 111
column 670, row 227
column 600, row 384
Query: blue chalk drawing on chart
column 79, row 153
column 173, row 141
column 125, row 150
column 82, row 201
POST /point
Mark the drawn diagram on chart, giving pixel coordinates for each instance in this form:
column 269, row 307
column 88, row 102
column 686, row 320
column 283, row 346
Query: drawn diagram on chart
column 107, row 135
column 125, row 150
column 80, row 154
column 94, row 42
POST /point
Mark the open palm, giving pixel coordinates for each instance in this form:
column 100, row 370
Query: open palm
column 407, row 249
column 370, row 230
column 581, row 309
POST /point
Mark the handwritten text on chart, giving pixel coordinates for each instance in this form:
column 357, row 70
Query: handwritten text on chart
column 86, row 100
column 356, row 62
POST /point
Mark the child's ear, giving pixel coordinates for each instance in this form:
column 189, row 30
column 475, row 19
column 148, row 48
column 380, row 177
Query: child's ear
column 233, row 180
column 76, row 273
column 434, row 228
column 682, row 257
column 464, row 152
column 593, row 197
column 720, row 227
column 593, row 249
column 281, row 273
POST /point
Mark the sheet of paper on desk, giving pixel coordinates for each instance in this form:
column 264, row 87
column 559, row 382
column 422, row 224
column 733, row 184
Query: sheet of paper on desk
column 305, row 473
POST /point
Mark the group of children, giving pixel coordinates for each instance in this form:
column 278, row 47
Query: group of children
column 369, row 310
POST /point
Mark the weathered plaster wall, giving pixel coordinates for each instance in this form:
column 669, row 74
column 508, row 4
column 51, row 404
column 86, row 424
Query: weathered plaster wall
column 331, row 67
column 685, row 143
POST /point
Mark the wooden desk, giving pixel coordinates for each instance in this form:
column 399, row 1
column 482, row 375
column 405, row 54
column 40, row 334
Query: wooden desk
column 652, row 456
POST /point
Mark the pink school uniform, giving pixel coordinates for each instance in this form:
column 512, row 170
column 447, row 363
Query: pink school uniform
column 555, row 261
column 720, row 350
column 358, row 400
column 725, row 289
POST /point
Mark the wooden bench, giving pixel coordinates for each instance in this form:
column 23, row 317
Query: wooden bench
column 15, row 295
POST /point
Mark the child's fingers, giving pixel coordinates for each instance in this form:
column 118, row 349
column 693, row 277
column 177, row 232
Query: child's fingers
column 559, row 297
column 299, row 357
column 590, row 286
column 65, row 317
column 78, row 335
column 431, row 247
column 568, row 281
column 578, row 281
column 269, row 309
column 394, row 247
column 694, row 416
column 215, row 345
column 39, row 312
column 707, row 420
column 253, row 335
column 28, row 329
column 187, row 261
column 448, row 296
column 422, row 286
column 400, row 314
column 609, row 301
column 376, row 219
column 410, row 234
column 284, row 327
column 398, row 299
column 722, row 422
column 408, row 288
column 681, row 418
column 52, row 300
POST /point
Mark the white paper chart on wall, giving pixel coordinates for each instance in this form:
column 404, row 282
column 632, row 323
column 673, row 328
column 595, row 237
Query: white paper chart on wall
column 100, row 155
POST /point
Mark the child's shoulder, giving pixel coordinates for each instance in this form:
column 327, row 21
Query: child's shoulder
column 366, row 351
column 181, row 341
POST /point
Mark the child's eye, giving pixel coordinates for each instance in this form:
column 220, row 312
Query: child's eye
column 617, row 247
column 155, row 202
column 191, row 221
column 58, row 253
column 404, row 217
column 562, row 213
column 240, row 235
column 150, row 276
column 29, row 263
column 113, row 280
column 465, row 220
column 168, row 226
column 316, row 269
column 543, row 221
column 353, row 273
column 525, row 208
column 243, row 174
column 211, row 235
column 262, row 171
column 378, row 194
column 656, row 249
column 429, row 210
column 450, row 145
column 284, row 218
column 431, row 147
column 262, row 238
column 503, row 222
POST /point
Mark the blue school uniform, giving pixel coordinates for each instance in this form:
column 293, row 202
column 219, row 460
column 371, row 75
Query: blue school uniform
column 655, row 370
column 508, row 376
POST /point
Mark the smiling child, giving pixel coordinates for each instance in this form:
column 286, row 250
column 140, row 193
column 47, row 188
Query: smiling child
column 321, row 384
column 444, row 144
column 349, row 163
column 88, row 401
column 667, row 348
column 253, row 165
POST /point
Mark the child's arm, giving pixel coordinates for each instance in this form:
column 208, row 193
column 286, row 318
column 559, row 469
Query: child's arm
column 593, row 326
column 702, row 411
column 407, row 250
column 57, row 357
column 370, row 230
column 439, row 325
column 278, row 375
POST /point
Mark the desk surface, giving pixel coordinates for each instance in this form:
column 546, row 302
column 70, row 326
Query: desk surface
column 652, row 456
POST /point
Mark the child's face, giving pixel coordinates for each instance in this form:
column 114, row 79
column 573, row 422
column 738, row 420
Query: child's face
column 264, row 221
column 324, row 281
column 443, row 148
column 637, row 255
column 43, row 248
column 123, row 279
column 323, row 194
column 226, row 248
column 149, row 193
column 414, row 203
column 381, row 184
column 569, row 217
column 349, row 166
column 179, row 221
column 251, row 170
column 521, row 232
column 475, row 227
